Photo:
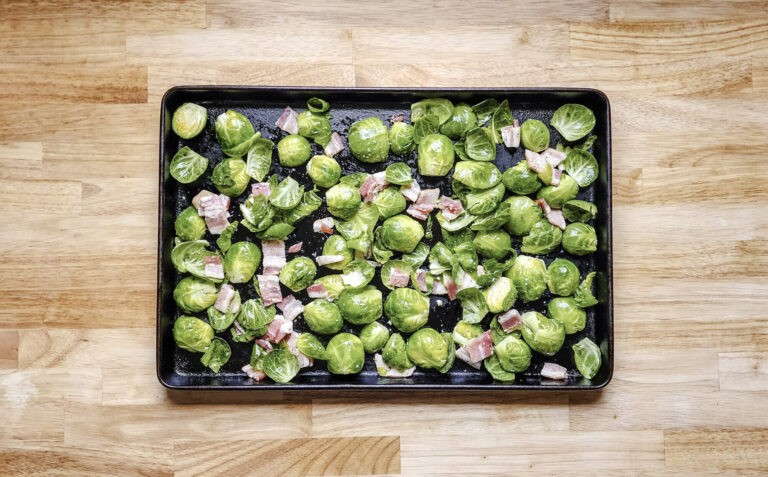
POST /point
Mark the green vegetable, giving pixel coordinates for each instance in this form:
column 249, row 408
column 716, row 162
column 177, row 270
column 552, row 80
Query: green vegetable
column 542, row 239
column 192, row 334
column 355, row 179
column 521, row 180
column 401, row 138
column 309, row 345
column 587, row 356
column 501, row 117
column 479, row 145
column 309, row 203
column 436, row 155
column 577, row 211
column 573, row 121
column 493, row 270
column 424, row 127
column 315, row 126
column 241, row 261
column 440, row 259
column 462, row 120
column 221, row 321
column 467, row 256
column 534, row 135
column 427, row 348
column 359, row 229
column 493, row 366
column 257, row 357
column 324, row 171
column 374, row 336
column 493, row 244
column 346, row 354
column 394, row 353
column 582, row 166
column 276, row 231
column 235, row 133
column 389, row 202
column 317, row 105
column 579, row 239
column 529, row 276
column 401, row 233
column 473, row 305
column 498, row 333
column 343, row 200
column 389, row 266
column 281, row 365
column 407, row 309
column 495, row 219
column 323, row 316
column 258, row 214
column 187, row 166
column 477, row 175
column 583, row 296
column 566, row 311
column 542, row 334
column 513, row 354
column 360, row 306
column 479, row 202
column 254, row 315
column 189, row 225
column 417, row 257
column 438, row 108
column 398, row 173
column 451, row 353
column 557, row 196
column 562, row 277
column 460, row 223
column 334, row 285
column 525, row 213
column 368, row 140
column 501, row 295
column 298, row 274
column 484, row 110
column 189, row 120
column 336, row 245
column 293, row 150
column 463, row 332
column 193, row 294
column 189, row 257
column 216, row 355
column 225, row 239
column 259, row 158
column 230, row 178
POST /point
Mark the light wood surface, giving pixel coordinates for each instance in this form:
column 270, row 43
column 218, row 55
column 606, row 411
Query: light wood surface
column 80, row 85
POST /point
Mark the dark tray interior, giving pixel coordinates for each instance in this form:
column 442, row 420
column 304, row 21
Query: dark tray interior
column 180, row 369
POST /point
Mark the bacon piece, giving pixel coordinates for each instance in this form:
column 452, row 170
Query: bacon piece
column 278, row 329
column 295, row 248
column 264, row 343
column 510, row 135
column 535, row 161
column 288, row 121
column 510, row 320
column 291, row 307
column 416, row 213
column 201, row 195
column 411, row 191
column 373, row 185
column 213, row 267
column 253, row 373
column 239, row 330
column 465, row 280
column 424, row 204
column 556, row 218
column 553, row 156
column 544, row 206
column 554, row 371
column 317, row 290
column 438, row 288
column 463, row 355
column 261, row 188
column 216, row 225
column 480, row 347
column 335, row 145
column 421, row 279
column 451, row 208
column 386, row 371
column 304, row 360
column 398, row 278
column 226, row 294
column 326, row 259
column 274, row 256
column 556, row 173
column 450, row 287
column 324, row 225
column 397, row 118
column 269, row 287
column 213, row 205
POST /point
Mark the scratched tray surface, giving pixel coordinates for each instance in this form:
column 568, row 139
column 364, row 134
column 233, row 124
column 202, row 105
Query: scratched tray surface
column 178, row 368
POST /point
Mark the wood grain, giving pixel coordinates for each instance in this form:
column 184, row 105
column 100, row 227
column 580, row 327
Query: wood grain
column 744, row 371
column 727, row 448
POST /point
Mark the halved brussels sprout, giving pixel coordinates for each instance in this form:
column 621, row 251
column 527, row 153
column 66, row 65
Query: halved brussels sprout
column 216, row 355
column 259, row 158
column 368, row 140
column 467, row 256
column 424, row 127
column 493, row 243
column 334, row 285
column 241, row 262
column 583, row 295
column 401, row 233
column 324, row 171
column 343, row 200
column 192, row 334
column 315, row 126
column 529, row 276
column 477, row 175
column 484, row 110
column 194, row 294
column 189, row 225
column 587, row 356
column 493, row 366
column 281, row 365
column 438, row 108
column 293, row 150
column 276, row 231
column 401, row 138
column 495, row 219
column 460, row 223
column 514, row 355
column 525, row 213
column 566, row 311
column 436, row 155
column 578, row 211
column 255, row 316
column 189, row 120
column 189, row 257
column 573, row 121
column 235, row 133
column 318, row 105
column 501, row 295
column 389, row 202
column 407, row 309
column 359, row 229
column 298, row 274
column 358, row 273
column 257, row 357
column 230, row 178
column 287, row 194
column 389, row 266
column 309, row 203
column 521, row 180
column 345, row 353
column 427, row 348
column 374, row 336
column 557, row 196
column 473, row 305
column 360, row 306
column 582, row 166
column 479, row 145
column 394, row 353
column 462, row 120
column 501, row 117
column 542, row 334
column 221, row 321
column 187, row 166
column 336, row 245
column 356, row 179
column 323, row 317
column 562, row 277
column 534, row 135
column 309, row 345
column 440, row 259
column 579, row 239
column 542, row 239
column 463, row 332
column 479, row 202
column 398, row 173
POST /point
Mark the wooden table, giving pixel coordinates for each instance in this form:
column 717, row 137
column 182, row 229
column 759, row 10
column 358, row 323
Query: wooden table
column 80, row 86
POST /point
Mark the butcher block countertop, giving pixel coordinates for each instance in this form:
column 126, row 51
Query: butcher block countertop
column 80, row 90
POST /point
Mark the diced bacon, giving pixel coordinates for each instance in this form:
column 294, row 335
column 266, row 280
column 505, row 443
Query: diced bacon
column 217, row 224
column 556, row 218
column 213, row 267
column 317, row 290
column 261, row 188
column 326, row 259
column 288, row 121
column 295, row 248
column 463, row 355
column 450, row 287
column 421, row 279
column 465, row 280
column 386, row 371
column 544, row 206
column 213, row 205
column 536, row 162
column 324, row 225
column 438, row 288
column 269, row 287
column 335, row 146
column 253, row 374
column 238, row 328
column 398, row 278
column 414, row 211
column 556, row 173
column 510, row 135
column 226, row 294
column 304, row 360
column 451, row 208
column 397, row 118
column 554, row 371
column 510, row 320
column 480, row 347
column 373, row 185
column 278, row 329
column 411, row 191
column 264, row 344
column 291, row 307
column 274, row 256
column 201, row 195
column 428, row 197
column 553, row 156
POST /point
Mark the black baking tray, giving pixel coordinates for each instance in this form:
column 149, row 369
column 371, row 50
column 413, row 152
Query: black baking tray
column 179, row 369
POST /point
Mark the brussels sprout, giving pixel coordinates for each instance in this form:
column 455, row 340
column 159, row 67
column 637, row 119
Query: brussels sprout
column 424, row 127
column 374, row 336
column 398, row 173
column 287, row 194
column 440, row 259
column 281, row 365
column 345, row 353
column 495, row 219
column 460, row 148
column 358, row 273
column 360, row 306
column 542, row 334
column 187, row 166
column 389, row 202
column 494, row 269
column 582, row 166
column 417, row 257
column 525, row 213
column 309, row 203
column 557, row 196
column 577, row 211
column 501, row 295
column 427, row 348
column 257, row 357
column 192, row 334
column 514, row 355
column 529, row 276
column 315, row 126
column 542, row 239
column 407, row 309
column 394, row 353
column 324, row 171
column 462, row 120
column 389, row 266
column 477, row 175
column 479, row 145
column 573, row 121
column 189, row 225
column 293, row 150
column 334, row 285
column 501, row 117
column 534, row 135
column 309, row 345
column 498, row 333
column 254, row 315
column 484, row 110
column 562, row 277
column 221, row 321
column 298, row 274
column 479, row 202
column 566, row 311
column 189, row 120
column 323, row 317
column 579, row 239
column 336, row 245
column 467, row 256
column 436, row 155
column 493, row 366
column 259, row 158
column 439, row 108
column 463, row 332
column 368, row 140
column 318, row 105
column 473, row 305
column 401, row 138
column 241, row 261
column 586, row 354
column 401, row 233
column 493, row 243
column 451, row 353
column 460, row 223
column 193, row 294
column 225, row 238
column 230, row 178
column 380, row 253
column 189, row 257
column 355, row 179
column 343, row 200
column 583, row 296
column 520, row 179
column 276, row 231
column 258, row 214
column 235, row 133
column 216, row 355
